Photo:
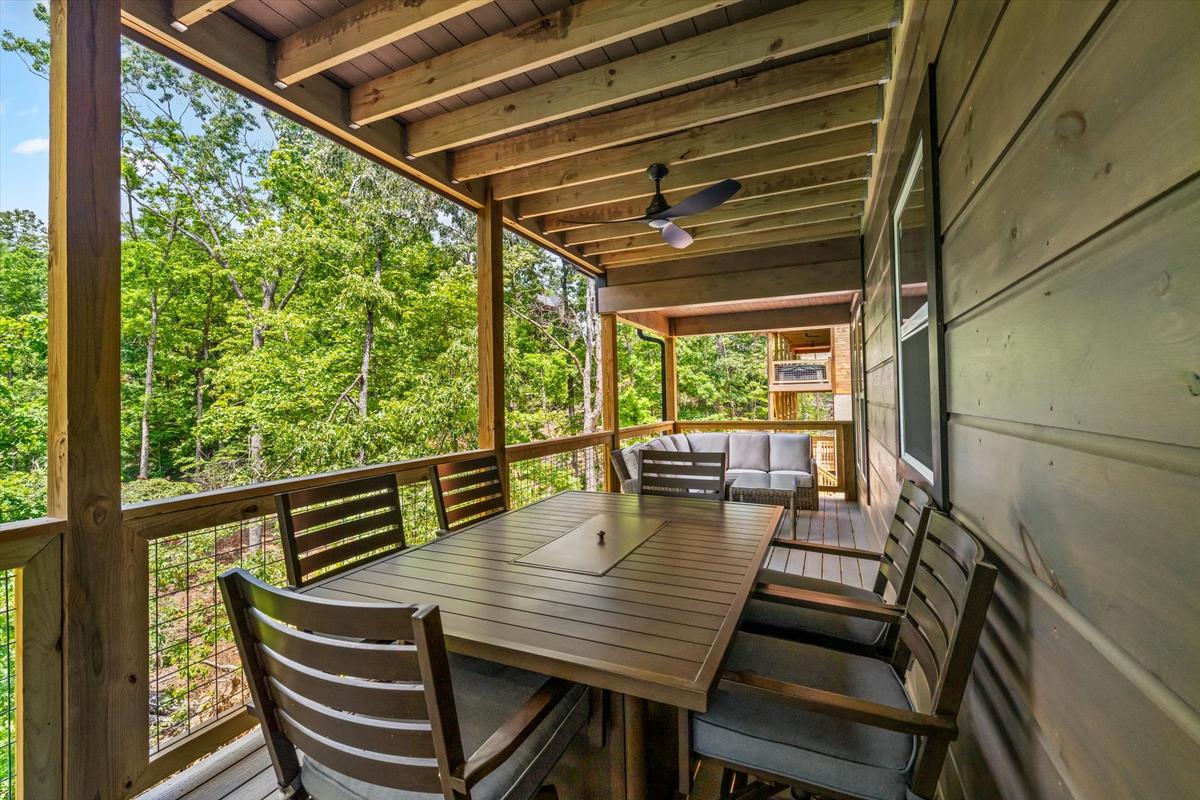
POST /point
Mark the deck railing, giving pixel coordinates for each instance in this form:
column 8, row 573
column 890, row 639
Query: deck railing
column 196, row 695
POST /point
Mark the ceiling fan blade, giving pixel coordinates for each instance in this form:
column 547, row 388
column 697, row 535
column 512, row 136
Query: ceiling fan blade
column 703, row 200
column 675, row 236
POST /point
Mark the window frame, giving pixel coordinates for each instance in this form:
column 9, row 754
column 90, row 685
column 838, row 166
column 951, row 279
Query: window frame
column 921, row 155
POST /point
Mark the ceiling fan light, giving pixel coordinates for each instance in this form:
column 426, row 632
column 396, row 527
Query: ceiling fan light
column 659, row 224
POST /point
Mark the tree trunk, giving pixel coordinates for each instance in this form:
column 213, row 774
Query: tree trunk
column 148, row 389
column 201, row 371
column 368, row 343
column 591, row 364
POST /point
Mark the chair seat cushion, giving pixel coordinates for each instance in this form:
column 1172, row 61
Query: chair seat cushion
column 765, row 733
column 486, row 696
column 789, row 620
column 732, row 472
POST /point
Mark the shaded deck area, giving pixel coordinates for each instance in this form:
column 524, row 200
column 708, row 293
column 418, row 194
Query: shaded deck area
column 242, row 769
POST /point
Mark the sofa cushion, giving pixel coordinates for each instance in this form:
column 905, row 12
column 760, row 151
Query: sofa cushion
column 630, row 456
column 668, row 443
column 771, row 734
column 680, row 441
column 790, row 451
column 708, row 442
column 735, row 472
column 803, row 478
column 750, row 451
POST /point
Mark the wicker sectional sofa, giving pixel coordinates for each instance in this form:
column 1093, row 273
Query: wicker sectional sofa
column 761, row 453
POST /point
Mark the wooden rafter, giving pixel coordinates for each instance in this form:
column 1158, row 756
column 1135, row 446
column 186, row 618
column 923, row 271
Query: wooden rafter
column 574, row 30
column 766, row 319
column 725, row 244
column 187, row 13
column 730, row 212
column 357, row 30
column 853, row 170
column 792, row 30
column 651, row 238
column 794, row 83
column 830, row 113
column 809, row 151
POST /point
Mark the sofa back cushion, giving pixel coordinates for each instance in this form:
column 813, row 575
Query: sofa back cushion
column 668, row 443
column 708, row 442
column 680, row 441
column 791, row 451
column 750, row 451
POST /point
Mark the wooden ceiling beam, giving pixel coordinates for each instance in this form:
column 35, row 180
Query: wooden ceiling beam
column 730, row 212
column 574, row 30
column 769, row 319
column 695, row 175
column 792, row 30
column 358, row 30
column 186, row 13
column 649, row 321
column 830, row 113
column 651, row 238
column 739, row 283
column 794, row 83
column 725, row 244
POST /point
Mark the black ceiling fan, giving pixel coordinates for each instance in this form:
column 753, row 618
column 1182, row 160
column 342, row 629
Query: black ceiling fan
column 662, row 217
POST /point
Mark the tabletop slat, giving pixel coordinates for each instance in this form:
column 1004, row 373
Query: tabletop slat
column 656, row 625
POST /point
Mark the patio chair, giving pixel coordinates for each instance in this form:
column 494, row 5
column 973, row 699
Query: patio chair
column 834, row 614
column 846, row 726
column 369, row 696
column 467, row 492
column 693, row 475
column 330, row 529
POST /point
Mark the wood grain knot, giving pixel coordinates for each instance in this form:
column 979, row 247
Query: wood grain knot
column 1070, row 125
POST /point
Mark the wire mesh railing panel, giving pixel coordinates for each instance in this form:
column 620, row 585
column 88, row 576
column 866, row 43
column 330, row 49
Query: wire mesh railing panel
column 8, row 704
column 535, row 478
column 420, row 516
column 195, row 673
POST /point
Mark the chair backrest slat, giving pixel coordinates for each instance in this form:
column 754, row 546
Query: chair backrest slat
column 328, row 529
column 373, row 710
column 943, row 619
column 902, row 538
column 467, row 492
column 413, row 774
column 679, row 474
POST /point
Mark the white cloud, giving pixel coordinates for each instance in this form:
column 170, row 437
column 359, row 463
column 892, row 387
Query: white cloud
column 30, row 147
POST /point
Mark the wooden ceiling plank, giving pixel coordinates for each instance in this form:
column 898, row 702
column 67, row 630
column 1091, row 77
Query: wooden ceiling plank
column 809, row 151
column 651, row 238
column 730, row 212
column 358, row 30
column 186, row 13
column 765, row 320
column 563, row 34
column 789, row 31
column 830, row 113
column 853, row 170
column 793, row 83
column 797, row 234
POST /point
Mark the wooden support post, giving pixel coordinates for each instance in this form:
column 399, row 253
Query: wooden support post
column 848, row 453
column 671, row 412
column 489, row 260
column 104, row 581
column 610, row 414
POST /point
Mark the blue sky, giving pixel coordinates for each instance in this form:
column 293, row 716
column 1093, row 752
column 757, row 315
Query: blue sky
column 24, row 119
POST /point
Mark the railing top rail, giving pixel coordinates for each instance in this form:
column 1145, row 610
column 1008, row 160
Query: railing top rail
column 764, row 425
column 646, row 428
column 528, row 450
column 411, row 468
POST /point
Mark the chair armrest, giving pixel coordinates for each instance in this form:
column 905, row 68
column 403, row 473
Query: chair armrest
column 512, row 734
column 825, row 601
column 825, row 549
column 843, row 706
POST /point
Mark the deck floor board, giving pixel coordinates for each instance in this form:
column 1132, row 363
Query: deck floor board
column 242, row 770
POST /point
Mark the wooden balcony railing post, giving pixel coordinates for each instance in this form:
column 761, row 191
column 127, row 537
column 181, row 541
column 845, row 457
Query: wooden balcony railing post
column 849, row 467
column 609, row 396
column 104, row 583
column 489, row 254
column 671, row 412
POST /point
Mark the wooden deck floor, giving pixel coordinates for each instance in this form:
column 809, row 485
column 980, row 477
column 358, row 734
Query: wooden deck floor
column 242, row 769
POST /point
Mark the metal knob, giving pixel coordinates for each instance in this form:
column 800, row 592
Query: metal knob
column 600, row 537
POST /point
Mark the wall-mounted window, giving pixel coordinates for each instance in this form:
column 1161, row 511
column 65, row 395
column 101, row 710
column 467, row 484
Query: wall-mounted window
column 916, row 277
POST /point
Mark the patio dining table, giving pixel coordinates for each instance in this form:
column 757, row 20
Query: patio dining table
column 646, row 612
